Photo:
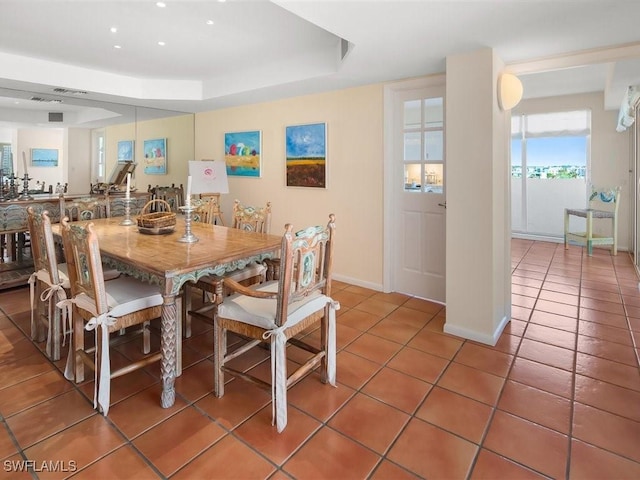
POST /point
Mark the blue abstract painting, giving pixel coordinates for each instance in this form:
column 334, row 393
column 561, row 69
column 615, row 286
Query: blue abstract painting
column 242, row 153
column 306, row 150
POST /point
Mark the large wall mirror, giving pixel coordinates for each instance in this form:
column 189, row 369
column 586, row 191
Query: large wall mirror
column 92, row 141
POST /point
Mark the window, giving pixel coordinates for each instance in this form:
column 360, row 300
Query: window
column 550, row 145
column 423, row 132
column 549, row 169
column 6, row 159
column 98, row 156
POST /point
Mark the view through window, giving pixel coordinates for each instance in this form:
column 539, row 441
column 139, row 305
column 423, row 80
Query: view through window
column 549, row 168
column 550, row 145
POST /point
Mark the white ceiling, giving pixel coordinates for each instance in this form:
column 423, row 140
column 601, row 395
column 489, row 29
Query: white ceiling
column 259, row 50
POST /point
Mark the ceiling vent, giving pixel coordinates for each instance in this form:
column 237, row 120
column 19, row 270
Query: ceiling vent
column 69, row 91
column 55, row 117
column 46, row 100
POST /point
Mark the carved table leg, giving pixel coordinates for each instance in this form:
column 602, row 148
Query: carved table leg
column 168, row 348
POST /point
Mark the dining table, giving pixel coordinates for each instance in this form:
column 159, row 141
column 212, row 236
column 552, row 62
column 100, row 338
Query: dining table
column 169, row 262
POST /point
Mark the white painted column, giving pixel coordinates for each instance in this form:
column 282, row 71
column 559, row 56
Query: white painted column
column 478, row 199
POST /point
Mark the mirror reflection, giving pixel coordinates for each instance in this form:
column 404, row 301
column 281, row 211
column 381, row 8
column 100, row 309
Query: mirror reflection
column 94, row 143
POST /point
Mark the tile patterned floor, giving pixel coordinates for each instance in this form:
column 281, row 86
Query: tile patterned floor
column 557, row 397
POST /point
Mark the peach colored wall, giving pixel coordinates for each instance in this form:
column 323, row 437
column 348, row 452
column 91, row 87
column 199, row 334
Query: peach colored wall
column 178, row 130
column 354, row 192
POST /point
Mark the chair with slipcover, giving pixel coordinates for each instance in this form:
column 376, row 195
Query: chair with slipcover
column 278, row 311
column 105, row 307
column 250, row 219
column 49, row 283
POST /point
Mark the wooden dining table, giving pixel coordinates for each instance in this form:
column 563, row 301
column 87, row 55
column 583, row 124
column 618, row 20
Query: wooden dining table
column 169, row 263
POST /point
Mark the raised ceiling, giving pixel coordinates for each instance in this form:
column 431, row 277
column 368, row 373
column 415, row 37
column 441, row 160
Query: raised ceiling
column 258, row 51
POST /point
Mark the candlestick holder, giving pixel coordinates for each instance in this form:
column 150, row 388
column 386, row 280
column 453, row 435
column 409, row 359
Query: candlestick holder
column 25, row 188
column 126, row 221
column 188, row 237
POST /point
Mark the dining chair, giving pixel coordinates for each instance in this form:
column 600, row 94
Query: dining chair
column 250, row 219
column 173, row 195
column 105, row 308
column 49, row 282
column 603, row 205
column 86, row 208
column 280, row 311
column 206, row 210
column 117, row 204
column 214, row 215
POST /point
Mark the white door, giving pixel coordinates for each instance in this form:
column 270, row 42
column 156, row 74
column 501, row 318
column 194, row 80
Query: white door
column 418, row 239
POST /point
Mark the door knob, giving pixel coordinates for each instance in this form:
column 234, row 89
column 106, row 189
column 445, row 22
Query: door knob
column 443, row 204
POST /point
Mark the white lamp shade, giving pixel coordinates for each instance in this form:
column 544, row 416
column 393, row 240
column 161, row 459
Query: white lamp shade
column 509, row 91
column 208, row 176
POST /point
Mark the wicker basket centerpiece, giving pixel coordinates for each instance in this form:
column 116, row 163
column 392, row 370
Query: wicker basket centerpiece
column 158, row 222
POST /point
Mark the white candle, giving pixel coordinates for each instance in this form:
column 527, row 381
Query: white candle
column 187, row 201
column 128, row 186
column 24, row 163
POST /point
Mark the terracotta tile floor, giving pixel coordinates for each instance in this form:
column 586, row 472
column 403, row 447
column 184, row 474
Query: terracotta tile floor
column 557, row 397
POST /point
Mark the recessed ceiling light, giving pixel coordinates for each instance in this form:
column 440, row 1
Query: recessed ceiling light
column 161, row 4
column 70, row 91
column 46, row 100
column 209, row 22
column 161, row 43
column 117, row 46
column 113, row 29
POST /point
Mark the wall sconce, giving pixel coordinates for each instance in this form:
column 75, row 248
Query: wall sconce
column 509, row 91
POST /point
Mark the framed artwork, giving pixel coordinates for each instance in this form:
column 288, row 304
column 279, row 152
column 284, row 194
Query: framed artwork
column 125, row 151
column 306, row 151
column 44, row 157
column 242, row 153
column 155, row 156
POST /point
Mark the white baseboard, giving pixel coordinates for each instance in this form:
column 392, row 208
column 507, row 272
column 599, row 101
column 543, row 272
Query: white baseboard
column 477, row 336
column 540, row 238
column 553, row 239
column 359, row 283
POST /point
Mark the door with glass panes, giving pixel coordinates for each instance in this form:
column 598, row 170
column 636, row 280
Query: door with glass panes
column 419, row 236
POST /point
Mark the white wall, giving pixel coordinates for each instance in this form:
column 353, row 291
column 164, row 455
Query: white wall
column 28, row 138
column 78, row 148
column 478, row 293
column 546, row 199
column 6, row 135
